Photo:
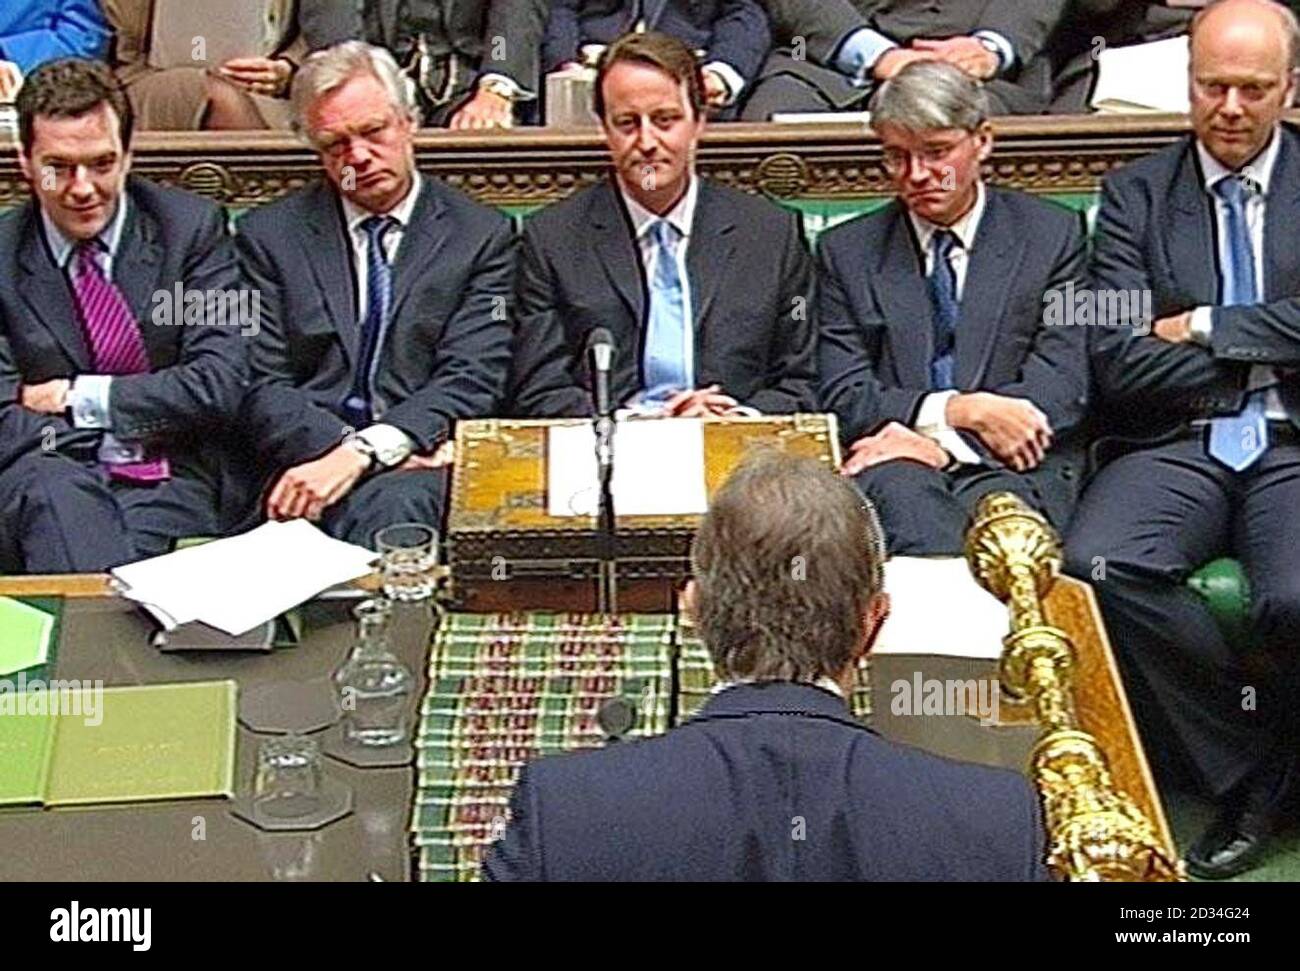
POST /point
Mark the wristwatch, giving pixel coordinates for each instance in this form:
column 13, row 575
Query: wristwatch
column 500, row 88
column 365, row 448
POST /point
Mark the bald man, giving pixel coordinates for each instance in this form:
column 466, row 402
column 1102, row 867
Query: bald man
column 1201, row 408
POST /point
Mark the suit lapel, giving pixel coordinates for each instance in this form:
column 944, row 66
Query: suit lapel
column 616, row 250
column 1191, row 235
column 135, row 272
column 1281, row 234
column 708, row 256
column 990, row 275
column 330, row 258
column 421, row 241
column 901, row 291
column 48, row 295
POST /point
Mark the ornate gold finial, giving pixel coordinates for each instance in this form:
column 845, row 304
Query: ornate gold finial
column 1096, row 831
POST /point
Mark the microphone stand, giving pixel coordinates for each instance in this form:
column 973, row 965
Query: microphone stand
column 607, row 590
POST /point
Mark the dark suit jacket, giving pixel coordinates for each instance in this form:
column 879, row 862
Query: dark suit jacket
column 580, row 269
column 874, row 321
column 1156, row 232
column 825, row 24
column 469, row 27
column 447, row 349
column 723, row 797
column 734, row 31
column 187, row 404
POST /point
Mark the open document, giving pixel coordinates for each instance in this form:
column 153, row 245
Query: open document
column 237, row 583
column 936, row 607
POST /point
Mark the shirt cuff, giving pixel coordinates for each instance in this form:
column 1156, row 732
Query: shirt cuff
column 88, row 401
column 517, row 91
column 860, row 51
column 1202, row 325
column 931, row 422
column 392, row 445
column 730, row 77
column 1006, row 53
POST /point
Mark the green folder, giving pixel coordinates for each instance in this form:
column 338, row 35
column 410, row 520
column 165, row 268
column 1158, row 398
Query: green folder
column 26, row 636
column 132, row 744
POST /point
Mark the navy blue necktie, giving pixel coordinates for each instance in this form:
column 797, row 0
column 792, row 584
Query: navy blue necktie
column 1238, row 440
column 944, row 309
column 358, row 408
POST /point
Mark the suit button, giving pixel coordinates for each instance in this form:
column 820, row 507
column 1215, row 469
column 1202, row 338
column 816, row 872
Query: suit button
column 1067, row 472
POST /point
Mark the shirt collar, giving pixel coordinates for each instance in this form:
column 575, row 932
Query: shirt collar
column 965, row 228
column 355, row 215
column 1259, row 169
column 825, row 683
column 681, row 217
column 110, row 236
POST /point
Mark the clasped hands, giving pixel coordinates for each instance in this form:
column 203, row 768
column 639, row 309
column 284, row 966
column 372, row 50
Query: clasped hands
column 305, row 491
column 1013, row 429
column 964, row 52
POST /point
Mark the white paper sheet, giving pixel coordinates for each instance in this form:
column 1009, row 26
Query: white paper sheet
column 658, row 468
column 237, row 583
column 1143, row 77
column 938, row 608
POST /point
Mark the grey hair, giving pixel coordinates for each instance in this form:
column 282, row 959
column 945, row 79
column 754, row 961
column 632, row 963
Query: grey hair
column 930, row 95
column 786, row 563
column 1291, row 25
column 329, row 68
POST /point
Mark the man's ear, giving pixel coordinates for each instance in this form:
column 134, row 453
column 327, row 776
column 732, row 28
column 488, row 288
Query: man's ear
column 985, row 134
column 873, row 620
column 690, row 595
column 27, row 166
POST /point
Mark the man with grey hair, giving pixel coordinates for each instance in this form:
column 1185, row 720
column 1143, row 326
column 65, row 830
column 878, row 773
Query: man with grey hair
column 774, row 779
column 385, row 310
column 1200, row 425
column 935, row 353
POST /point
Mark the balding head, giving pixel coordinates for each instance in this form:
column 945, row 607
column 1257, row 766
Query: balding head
column 1242, row 76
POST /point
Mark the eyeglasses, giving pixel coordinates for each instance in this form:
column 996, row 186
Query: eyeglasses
column 898, row 160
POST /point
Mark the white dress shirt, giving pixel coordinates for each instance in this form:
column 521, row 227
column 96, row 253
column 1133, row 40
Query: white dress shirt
column 1260, row 172
column 392, row 445
column 930, row 419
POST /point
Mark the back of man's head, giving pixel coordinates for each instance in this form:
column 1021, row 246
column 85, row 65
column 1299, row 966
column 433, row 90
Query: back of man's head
column 788, row 564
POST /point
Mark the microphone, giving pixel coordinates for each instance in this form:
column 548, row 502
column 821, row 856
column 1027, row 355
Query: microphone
column 600, row 359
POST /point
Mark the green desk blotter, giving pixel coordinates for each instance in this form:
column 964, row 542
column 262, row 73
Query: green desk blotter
column 129, row 744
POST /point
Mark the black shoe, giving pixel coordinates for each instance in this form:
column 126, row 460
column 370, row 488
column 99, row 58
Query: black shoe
column 1239, row 837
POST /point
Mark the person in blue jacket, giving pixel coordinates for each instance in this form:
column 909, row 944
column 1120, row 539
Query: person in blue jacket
column 35, row 31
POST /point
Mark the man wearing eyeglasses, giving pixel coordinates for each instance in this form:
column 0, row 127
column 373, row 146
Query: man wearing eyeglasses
column 385, row 310
column 1201, row 416
column 934, row 350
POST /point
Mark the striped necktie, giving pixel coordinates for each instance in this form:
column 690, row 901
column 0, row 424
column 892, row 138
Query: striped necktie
column 116, row 344
column 1238, row 440
column 944, row 308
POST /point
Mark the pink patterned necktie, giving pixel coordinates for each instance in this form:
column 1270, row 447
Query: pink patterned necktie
column 116, row 344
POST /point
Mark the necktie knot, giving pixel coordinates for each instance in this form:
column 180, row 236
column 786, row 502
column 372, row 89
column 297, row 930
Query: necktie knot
column 942, row 243
column 90, row 256
column 377, row 227
column 1235, row 189
column 665, row 234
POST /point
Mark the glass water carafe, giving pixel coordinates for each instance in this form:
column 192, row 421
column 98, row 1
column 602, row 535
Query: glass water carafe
column 374, row 687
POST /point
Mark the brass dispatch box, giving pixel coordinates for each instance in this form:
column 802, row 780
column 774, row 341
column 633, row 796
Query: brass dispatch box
column 506, row 552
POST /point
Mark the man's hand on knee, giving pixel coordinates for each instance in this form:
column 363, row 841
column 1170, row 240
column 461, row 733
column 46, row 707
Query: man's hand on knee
column 894, row 441
column 307, row 490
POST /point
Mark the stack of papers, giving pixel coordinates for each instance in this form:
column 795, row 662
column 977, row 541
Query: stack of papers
column 971, row 623
column 1143, row 77
column 237, row 583
column 658, row 469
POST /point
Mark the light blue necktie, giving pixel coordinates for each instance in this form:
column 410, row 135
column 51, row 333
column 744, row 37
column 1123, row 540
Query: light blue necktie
column 1239, row 440
column 666, row 370
column 944, row 309
column 358, row 408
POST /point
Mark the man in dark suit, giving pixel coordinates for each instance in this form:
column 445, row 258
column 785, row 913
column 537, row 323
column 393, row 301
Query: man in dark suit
column 1201, row 412
column 474, row 62
column 705, row 319
column 774, row 779
column 831, row 53
column 385, row 310
column 733, row 34
column 935, row 351
column 121, row 362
